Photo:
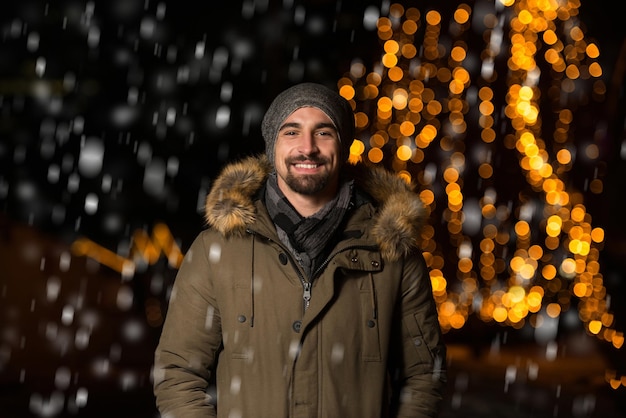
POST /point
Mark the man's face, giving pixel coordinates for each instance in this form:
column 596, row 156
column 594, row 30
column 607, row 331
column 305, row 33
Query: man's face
column 307, row 153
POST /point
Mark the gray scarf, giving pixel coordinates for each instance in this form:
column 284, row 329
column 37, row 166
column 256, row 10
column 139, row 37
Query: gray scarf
column 307, row 237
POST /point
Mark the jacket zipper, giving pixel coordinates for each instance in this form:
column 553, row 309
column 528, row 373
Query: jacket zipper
column 306, row 295
column 306, row 285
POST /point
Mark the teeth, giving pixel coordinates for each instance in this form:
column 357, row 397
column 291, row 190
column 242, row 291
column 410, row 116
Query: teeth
column 301, row 165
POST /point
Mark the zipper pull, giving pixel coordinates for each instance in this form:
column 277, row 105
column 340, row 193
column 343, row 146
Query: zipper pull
column 306, row 295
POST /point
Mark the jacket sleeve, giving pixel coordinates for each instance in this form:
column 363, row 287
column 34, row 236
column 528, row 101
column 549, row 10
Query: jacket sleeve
column 420, row 361
column 189, row 342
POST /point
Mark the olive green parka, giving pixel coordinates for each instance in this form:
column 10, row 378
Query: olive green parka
column 361, row 340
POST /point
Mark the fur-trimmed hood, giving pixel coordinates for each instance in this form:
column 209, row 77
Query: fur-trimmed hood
column 396, row 227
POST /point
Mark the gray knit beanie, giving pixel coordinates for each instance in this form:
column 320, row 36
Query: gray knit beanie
column 309, row 95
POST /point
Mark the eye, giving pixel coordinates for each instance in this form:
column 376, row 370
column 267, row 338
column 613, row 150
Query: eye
column 326, row 133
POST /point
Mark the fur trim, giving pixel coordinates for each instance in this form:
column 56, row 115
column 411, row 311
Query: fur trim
column 396, row 227
column 229, row 206
column 401, row 214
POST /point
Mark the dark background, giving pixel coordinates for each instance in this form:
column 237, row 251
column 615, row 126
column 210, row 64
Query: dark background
column 142, row 85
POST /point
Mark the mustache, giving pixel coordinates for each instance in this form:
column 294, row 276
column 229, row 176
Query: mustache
column 307, row 159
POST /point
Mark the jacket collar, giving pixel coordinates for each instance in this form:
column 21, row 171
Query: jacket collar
column 396, row 227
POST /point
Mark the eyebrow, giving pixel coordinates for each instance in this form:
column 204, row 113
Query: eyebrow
column 320, row 125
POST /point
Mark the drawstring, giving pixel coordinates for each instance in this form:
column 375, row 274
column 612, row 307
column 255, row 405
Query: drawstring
column 252, row 287
column 373, row 289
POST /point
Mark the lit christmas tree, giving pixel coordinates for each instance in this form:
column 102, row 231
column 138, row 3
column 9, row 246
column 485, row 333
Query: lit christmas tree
column 497, row 101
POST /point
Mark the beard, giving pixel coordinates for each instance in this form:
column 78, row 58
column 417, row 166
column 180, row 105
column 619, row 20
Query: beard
column 308, row 184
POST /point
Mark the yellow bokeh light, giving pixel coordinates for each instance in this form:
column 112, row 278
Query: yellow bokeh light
column 427, row 196
column 525, row 17
column 433, row 17
column 485, row 171
column 390, row 60
column 522, row 228
column 409, row 51
column 451, row 174
column 595, row 70
column 357, row 147
column 385, row 104
column 500, row 314
column 578, row 213
column 456, row 87
column 549, row 37
column 572, row 72
column 458, row 53
column 517, row 293
column 404, row 153
column 455, row 197
column 400, row 99
column 576, row 33
column 597, row 234
column 553, row 227
column 535, row 252
column 361, row 120
column 395, row 74
column 548, row 272
column 434, row 107
column 461, row 15
column 553, row 310
column 595, row 326
column 429, row 132
column 568, row 267
column 592, row 50
column 457, row 321
column 580, row 290
column 347, row 91
column 486, row 108
column 564, row 156
column 375, row 155
column 407, row 128
column 391, row 47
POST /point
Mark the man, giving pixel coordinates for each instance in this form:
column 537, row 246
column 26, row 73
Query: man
column 307, row 295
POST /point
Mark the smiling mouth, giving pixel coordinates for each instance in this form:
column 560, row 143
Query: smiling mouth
column 308, row 166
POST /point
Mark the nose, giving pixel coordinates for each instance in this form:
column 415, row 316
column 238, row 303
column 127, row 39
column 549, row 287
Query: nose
column 308, row 143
